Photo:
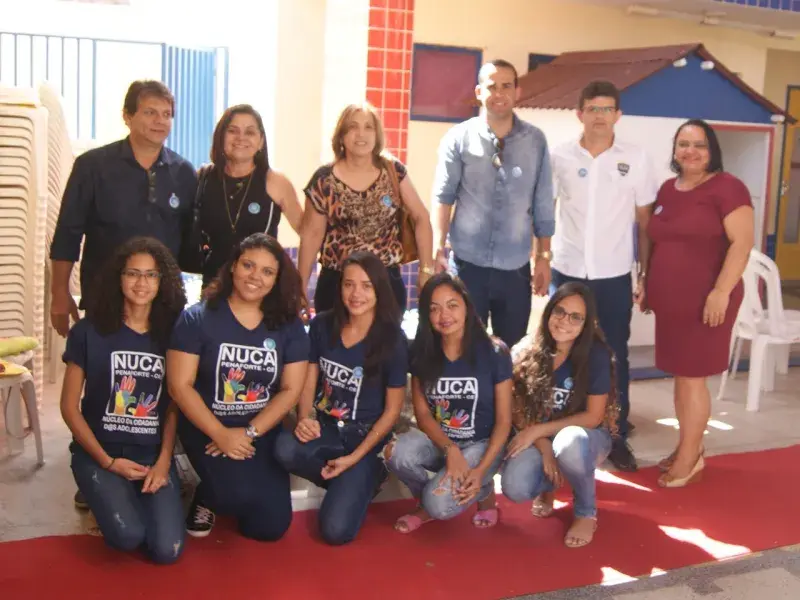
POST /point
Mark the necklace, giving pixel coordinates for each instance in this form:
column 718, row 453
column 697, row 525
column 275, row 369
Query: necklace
column 233, row 222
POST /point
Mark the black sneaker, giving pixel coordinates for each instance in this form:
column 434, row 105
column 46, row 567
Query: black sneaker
column 80, row 501
column 200, row 520
column 622, row 457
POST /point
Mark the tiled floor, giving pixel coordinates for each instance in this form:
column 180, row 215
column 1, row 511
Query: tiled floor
column 36, row 502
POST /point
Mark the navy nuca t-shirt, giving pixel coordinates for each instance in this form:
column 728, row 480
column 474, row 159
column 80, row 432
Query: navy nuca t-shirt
column 239, row 369
column 125, row 394
column 599, row 380
column 343, row 392
column 462, row 398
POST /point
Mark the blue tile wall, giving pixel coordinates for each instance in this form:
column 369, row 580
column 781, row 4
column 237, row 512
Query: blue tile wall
column 790, row 5
column 409, row 272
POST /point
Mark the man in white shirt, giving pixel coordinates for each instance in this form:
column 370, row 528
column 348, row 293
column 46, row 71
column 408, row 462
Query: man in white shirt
column 603, row 187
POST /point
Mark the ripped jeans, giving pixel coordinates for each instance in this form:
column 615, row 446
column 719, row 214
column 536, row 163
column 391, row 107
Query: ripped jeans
column 578, row 451
column 415, row 457
column 129, row 519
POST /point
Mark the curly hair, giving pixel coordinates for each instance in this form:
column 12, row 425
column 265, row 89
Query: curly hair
column 285, row 300
column 533, row 366
column 106, row 306
column 381, row 340
column 427, row 356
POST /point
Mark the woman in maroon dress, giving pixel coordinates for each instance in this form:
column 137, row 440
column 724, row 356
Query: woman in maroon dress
column 702, row 233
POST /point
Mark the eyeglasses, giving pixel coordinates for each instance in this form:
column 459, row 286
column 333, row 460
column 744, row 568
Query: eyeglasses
column 605, row 110
column 497, row 157
column 136, row 275
column 574, row 318
column 151, row 186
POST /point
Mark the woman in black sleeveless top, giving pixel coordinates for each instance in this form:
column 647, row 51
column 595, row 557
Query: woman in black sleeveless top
column 239, row 193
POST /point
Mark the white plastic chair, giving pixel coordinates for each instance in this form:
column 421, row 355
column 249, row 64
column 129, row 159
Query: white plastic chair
column 23, row 384
column 770, row 329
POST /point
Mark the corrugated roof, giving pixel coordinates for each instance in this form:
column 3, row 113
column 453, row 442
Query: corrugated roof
column 558, row 84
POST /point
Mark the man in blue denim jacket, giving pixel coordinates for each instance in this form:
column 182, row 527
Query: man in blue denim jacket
column 495, row 170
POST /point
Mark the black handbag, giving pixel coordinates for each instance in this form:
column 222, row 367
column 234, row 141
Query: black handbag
column 193, row 252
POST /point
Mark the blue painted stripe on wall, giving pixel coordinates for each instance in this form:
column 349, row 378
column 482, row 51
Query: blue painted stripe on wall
column 690, row 92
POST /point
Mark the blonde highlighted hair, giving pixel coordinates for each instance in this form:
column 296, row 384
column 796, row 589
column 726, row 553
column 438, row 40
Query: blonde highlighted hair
column 379, row 154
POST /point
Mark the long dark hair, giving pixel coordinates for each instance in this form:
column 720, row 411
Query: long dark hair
column 427, row 355
column 286, row 298
column 106, row 304
column 533, row 364
column 714, row 149
column 261, row 158
column 381, row 339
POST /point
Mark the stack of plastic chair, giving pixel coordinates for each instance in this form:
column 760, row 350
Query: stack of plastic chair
column 59, row 165
column 23, row 208
column 770, row 329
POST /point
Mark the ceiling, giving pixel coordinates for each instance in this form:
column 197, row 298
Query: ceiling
column 722, row 14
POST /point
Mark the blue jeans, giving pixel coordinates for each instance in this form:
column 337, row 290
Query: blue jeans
column 578, row 451
column 128, row 518
column 505, row 295
column 256, row 491
column 348, row 496
column 614, row 299
column 415, row 456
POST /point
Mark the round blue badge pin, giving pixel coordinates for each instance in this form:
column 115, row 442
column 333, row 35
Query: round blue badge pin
column 358, row 372
column 568, row 383
column 174, row 201
column 254, row 208
column 516, row 172
column 269, row 344
column 582, row 172
column 387, row 200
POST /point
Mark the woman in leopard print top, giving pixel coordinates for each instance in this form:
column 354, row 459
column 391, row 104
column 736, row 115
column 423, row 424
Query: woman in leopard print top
column 352, row 205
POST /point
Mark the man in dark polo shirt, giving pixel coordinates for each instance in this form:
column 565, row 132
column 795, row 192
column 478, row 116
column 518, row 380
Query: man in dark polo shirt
column 132, row 187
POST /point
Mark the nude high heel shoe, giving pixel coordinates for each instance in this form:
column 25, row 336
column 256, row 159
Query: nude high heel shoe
column 694, row 476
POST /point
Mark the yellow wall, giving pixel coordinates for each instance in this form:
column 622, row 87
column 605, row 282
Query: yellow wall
column 298, row 95
column 783, row 69
column 512, row 29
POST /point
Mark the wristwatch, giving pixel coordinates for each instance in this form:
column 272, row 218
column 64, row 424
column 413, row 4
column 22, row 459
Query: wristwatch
column 427, row 270
column 545, row 254
column 251, row 432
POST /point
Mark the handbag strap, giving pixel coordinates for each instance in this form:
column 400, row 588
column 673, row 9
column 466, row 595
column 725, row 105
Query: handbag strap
column 395, row 181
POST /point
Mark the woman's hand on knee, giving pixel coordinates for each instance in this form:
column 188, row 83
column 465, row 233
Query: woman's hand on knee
column 469, row 487
column 307, row 429
column 551, row 470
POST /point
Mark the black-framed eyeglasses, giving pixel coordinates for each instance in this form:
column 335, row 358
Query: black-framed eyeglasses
column 497, row 157
column 151, row 186
column 574, row 318
column 136, row 274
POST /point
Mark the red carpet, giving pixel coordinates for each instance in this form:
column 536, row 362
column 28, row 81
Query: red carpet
column 744, row 504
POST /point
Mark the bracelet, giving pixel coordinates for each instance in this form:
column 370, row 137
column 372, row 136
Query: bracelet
column 111, row 464
column 446, row 448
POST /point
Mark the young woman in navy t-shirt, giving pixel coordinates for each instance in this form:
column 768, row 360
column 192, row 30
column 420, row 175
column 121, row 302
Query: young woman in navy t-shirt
column 461, row 389
column 123, row 426
column 356, row 384
column 565, row 410
column 236, row 365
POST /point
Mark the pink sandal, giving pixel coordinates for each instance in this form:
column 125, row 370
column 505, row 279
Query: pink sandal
column 410, row 522
column 484, row 519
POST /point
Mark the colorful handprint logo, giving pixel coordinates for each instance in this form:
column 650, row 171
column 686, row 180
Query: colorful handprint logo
column 255, row 392
column 339, row 411
column 123, row 395
column 146, row 407
column 457, row 419
column 232, row 384
column 440, row 411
